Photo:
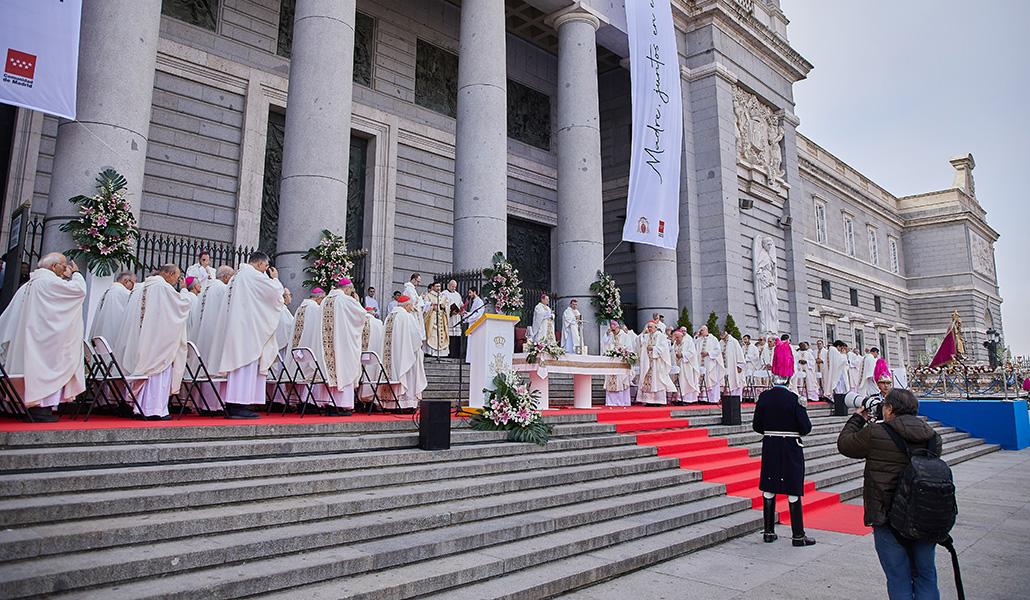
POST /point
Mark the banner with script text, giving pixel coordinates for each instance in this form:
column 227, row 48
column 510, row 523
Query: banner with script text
column 39, row 41
column 652, row 205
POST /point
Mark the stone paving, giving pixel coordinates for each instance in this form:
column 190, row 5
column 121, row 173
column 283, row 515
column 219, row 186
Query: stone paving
column 992, row 536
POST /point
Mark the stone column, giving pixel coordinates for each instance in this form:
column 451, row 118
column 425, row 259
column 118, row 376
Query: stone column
column 580, row 232
column 657, row 285
column 481, row 137
column 117, row 54
column 316, row 146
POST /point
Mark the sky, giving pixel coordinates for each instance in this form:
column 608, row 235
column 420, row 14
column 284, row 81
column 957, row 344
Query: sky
column 899, row 87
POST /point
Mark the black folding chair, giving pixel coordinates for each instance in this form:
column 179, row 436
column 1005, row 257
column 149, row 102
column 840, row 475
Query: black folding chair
column 112, row 378
column 284, row 385
column 197, row 378
column 11, row 403
column 304, row 354
column 370, row 360
column 89, row 396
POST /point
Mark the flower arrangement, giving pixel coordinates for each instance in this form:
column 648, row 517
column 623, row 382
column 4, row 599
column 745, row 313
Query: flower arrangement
column 608, row 299
column 623, row 353
column 511, row 407
column 503, row 286
column 533, row 350
column 330, row 262
column 106, row 233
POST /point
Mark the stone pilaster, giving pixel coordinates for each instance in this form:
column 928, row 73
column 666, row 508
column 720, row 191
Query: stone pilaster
column 580, row 234
column 117, row 55
column 481, row 137
column 316, row 147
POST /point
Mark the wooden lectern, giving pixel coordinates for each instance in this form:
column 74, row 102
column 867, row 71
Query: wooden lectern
column 491, row 342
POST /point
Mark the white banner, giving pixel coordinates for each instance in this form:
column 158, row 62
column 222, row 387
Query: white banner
column 652, row 205
column 39, row 40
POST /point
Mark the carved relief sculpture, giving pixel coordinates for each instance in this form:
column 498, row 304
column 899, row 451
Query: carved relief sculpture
column 983, row 255
column 763, row 271
column 759, row 134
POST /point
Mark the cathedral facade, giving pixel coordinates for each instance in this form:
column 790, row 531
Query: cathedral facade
column 434, row 133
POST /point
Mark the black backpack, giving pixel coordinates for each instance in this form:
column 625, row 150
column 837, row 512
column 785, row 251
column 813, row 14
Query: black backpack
column 924, row 506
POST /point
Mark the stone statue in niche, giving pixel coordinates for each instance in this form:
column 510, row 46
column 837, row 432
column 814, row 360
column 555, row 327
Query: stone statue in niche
column 759, row 134
column 763, row 271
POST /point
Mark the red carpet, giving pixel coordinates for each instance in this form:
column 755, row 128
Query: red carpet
column 720, row 463
column 99, row 422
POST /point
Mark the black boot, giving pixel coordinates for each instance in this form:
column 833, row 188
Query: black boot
column 797, row 526
column 769, row 513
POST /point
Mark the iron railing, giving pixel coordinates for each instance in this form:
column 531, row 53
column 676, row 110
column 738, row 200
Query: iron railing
column 475, row 279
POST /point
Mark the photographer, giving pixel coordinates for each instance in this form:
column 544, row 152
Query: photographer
column 861, row 438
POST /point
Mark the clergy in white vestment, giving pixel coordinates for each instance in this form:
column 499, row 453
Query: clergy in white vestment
column 152, row 341
column 436, row 322
column 411, row 291
column 616, row 387
column 685, row 356
column 111, row 310
column 822, row 361
column 202, row 269
column 455, row 313
column 206, row 329
column 343, row 319
column 854, row 369
column 572, row 328
column 867, row 386
column 307, row 333
column 371, row 302
column 712, row 367
column 253, row 308
column 41, row 336
column 733, row 360
column 543, row 321
column 284, row 330
column 653, row 357
column 402, row 355
column 371, row 341
column 474, row 309
column 837, row 370
column 807, row 365
column 751, row 357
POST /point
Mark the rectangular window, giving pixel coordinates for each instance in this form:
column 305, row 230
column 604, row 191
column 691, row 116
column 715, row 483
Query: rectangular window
column 820, row 222
column 878, row 303
column 831, row 333
column 859, row 340
column 854, row 297
column 202, row 13
column 826, row 289
column 883, row 347
column 874, row 248
column 903, row 350
column 849, row 235
column 892, row 244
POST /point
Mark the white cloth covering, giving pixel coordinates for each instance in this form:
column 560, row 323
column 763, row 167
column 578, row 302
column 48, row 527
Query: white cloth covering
column 285, row 328
column 616, row 387
column 543, row 323
column 689, row 363
column 307, row 333
column 570, row 326
column 153, row 393
column 41, row 336
column 254, row 307
column 733, row 360
column 371, row 341
column 712, row 364
column 245, row 385
column 108, row 320
column 402, row 357
column 653, row 357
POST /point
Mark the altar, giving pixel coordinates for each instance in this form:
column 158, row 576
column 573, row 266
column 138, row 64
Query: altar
column 581, row 367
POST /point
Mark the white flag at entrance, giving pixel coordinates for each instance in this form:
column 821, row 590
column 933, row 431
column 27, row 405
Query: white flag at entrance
column 39, row 41
column 652, row 205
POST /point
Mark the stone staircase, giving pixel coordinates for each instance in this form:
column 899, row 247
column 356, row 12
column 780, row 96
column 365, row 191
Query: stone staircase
column 442, row 377
column 347, row 509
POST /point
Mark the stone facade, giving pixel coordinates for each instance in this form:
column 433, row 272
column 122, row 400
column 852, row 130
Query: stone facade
column 746, row 171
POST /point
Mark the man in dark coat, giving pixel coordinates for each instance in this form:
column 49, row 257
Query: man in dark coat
column 782, row 420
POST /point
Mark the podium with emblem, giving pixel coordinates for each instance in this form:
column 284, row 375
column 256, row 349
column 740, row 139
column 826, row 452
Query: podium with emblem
column 491, row 345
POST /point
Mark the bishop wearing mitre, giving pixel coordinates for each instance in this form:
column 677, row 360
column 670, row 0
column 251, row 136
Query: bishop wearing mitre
column 712, row 366
column 402, row 356
column 209, row 307
column 543, row 321
column 571, row 328
column 734, row 362
column 684, row 355
column 253, row 307
column 655, row 364
column 616, row 387
column 152, row 341
column 41, row 336
column 108, row 319
column 343, row 318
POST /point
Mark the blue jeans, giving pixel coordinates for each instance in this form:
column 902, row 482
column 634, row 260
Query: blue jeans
column 894, row 560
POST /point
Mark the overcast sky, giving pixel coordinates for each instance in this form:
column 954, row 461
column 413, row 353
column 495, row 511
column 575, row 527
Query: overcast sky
column 899, row 87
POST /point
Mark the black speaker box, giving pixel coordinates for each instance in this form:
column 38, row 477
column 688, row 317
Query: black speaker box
column 434, row 425
column 839, row 408
column 731, row 410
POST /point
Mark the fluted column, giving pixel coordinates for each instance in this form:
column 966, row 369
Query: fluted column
column 481, row 137
column 117, row 55
column 316, row 146
column 580, row 230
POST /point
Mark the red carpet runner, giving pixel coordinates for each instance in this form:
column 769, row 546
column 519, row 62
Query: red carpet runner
column 720, row 463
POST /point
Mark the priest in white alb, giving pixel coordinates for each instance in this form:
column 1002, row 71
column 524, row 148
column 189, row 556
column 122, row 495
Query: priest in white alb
column 41, row 336
column 253, row 309
column 712, row 367
column 734, row 363
column 474, row 309
column 822, row 355
column 343, row 319
column 371, row 341
column 436, row 322
column 572, row 328
column 867, row 385
column 655, row 364
column 285, row 328
column 854, row 369
column 685, row 357
column 455, row 312
column 307, row 333
column 152, row 341
column 543, row 321
column 108, row 319
column 402, row 356
column 411, row 291
column 806, row 363
column 616, row 387
column 837, row 370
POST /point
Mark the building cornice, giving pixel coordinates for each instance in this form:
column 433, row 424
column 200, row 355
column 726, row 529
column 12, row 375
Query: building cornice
column 809, row 167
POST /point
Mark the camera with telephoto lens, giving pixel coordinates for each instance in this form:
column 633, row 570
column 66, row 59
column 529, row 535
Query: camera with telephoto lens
column 873, row 403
